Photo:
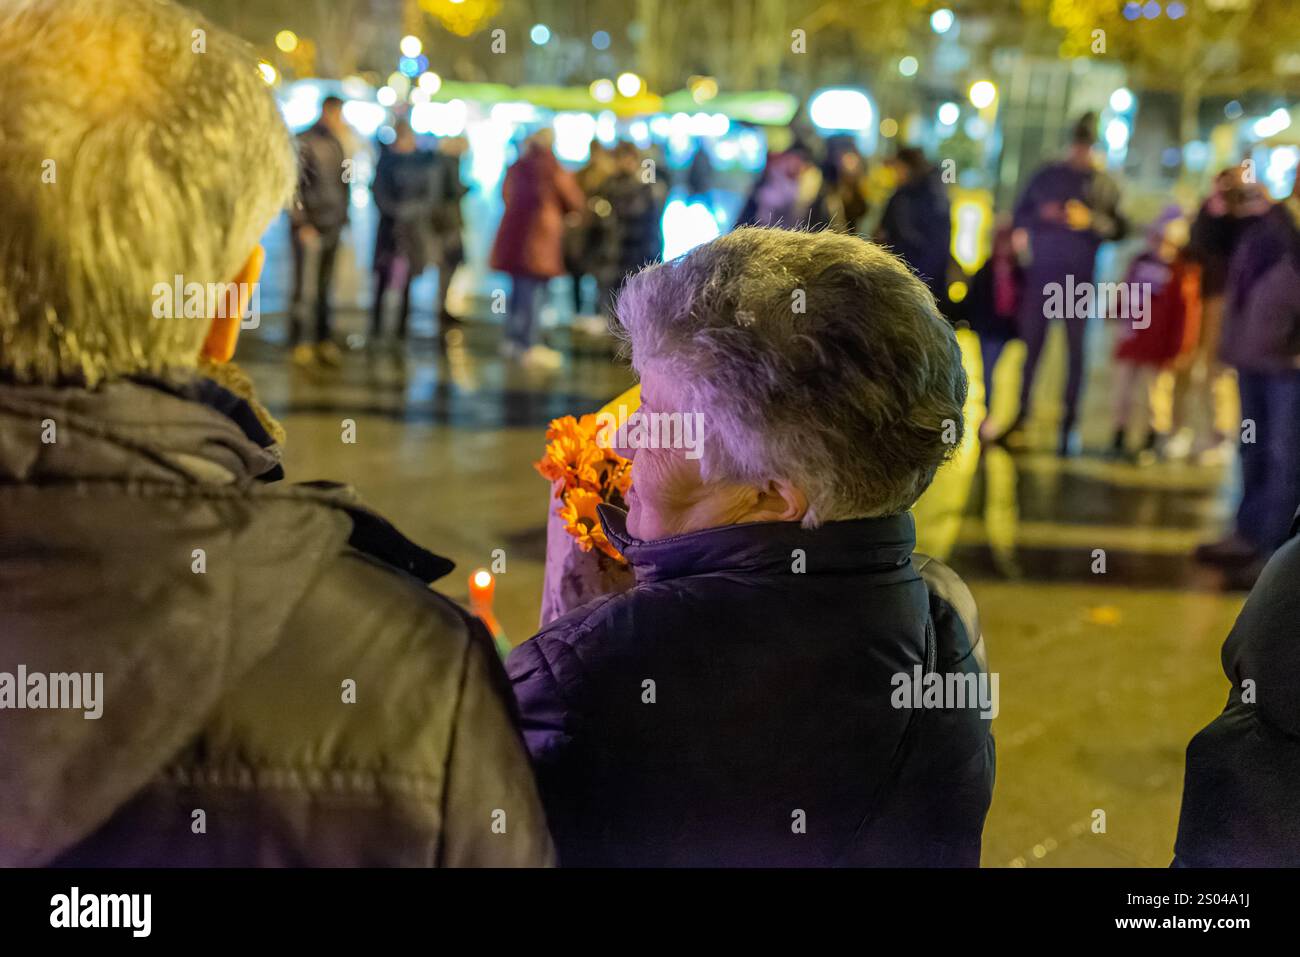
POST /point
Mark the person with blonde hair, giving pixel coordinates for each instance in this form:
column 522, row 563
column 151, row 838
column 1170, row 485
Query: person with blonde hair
column 199, row 666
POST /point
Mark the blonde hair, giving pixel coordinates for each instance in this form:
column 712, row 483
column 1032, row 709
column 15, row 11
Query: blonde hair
column 137, row 143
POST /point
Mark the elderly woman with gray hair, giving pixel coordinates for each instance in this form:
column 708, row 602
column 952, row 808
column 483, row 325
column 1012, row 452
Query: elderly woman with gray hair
column 787, row 683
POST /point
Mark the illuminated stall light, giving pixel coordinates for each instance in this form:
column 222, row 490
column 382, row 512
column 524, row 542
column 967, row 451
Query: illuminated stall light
column 949, row 113
column 602, row 91
column 540, row 34
column 607, row 127
column 431, row 83
column 982, row 94
column 842, row 109
column 908, row 66
column 411, row 46
column 687, row 225
column 1121, row 101
column 440, row 119
column 629, row 84
column 573, row 135
column 386, row 96
column 287, row 41
column 364, row 117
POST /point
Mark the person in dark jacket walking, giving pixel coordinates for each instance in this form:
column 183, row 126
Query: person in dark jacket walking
column 917, row 222
column 634, row 236
column 992, row 309
column 1068, row 209
column 759, row 697
column 406, row 190
column 1261, row 340
column 1241, row 790
column 316, row 227
column 253, row 673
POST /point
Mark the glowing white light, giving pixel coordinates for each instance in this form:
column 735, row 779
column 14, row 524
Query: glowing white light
column 1121, row 101
column 660, row 126
column 607, row 127
column 908, row 66
column 982, row 94
column 364, row 117
column 439, row 119
column 941, row 20
column 573, row 135
column 1117, row 135
column 540, row 34
column 687, row 226
column 268, row 73
column 411, row 46
column 431, row 83
column 602, row 91
column 514, row 113
column 841, row 110
column 1272, row 124
column 301, row 107
column 639, row 130
column 629, row 84
column 482, row 578
column 387, row 96
column 949, row 114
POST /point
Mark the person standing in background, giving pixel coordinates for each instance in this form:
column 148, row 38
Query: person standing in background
column 1261, row 340
column 1069, row 208
column 992, row 309
column 1232, row 206
column 582, row 233
column 448, row 223
column 635, row 237
column 316, row 225
column 1147, row 344
column 404, row 191
column 844, row 183
column 538, row 194
column 917, row 222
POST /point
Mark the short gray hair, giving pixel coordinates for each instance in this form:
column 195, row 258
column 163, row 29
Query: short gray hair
column 815, row 357
column 138, row 142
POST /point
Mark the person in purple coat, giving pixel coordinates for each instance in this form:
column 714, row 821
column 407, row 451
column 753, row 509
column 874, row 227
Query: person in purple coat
column 1068, row 210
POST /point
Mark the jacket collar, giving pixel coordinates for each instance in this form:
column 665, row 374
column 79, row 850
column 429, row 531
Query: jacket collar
column 860, row 545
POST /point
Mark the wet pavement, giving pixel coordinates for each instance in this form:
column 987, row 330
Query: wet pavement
column 1105, row 676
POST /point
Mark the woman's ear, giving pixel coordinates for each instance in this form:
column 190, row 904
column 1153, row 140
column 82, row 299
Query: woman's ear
column 223, row 333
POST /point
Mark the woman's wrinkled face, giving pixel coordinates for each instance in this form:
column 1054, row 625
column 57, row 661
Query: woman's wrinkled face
column 669, row 496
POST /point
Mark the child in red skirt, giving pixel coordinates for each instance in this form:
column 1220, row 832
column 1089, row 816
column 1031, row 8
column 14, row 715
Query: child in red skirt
column 1168, row 283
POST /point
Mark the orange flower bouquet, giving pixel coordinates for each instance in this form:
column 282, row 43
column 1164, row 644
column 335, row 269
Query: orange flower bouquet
column 581, row 563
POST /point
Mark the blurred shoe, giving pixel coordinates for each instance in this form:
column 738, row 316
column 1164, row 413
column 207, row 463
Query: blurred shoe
column 1228, row 552
column 1117, row 450
column 328, row 354
column 540, row 357
column 1178, row 446
column 303, row 354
